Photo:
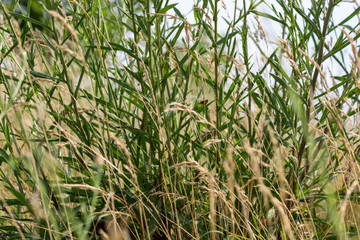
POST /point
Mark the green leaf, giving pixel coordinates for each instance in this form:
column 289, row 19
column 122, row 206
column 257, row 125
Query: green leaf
column 167, row 8
column 308, row 20
column 266, row 15
column 227, row 37
column 28, row 19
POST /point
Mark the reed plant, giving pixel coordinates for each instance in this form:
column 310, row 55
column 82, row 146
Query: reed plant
column 134, row 120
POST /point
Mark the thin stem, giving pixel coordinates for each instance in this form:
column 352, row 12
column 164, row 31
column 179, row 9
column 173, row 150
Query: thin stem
column 218, row 121
column 311, row 95
column 216, row 86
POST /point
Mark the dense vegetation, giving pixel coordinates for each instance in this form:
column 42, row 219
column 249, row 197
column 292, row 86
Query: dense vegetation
column 126, row 120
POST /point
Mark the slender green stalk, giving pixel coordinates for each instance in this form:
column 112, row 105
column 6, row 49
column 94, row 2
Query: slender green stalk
column 312, row 91
column 217, row 83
